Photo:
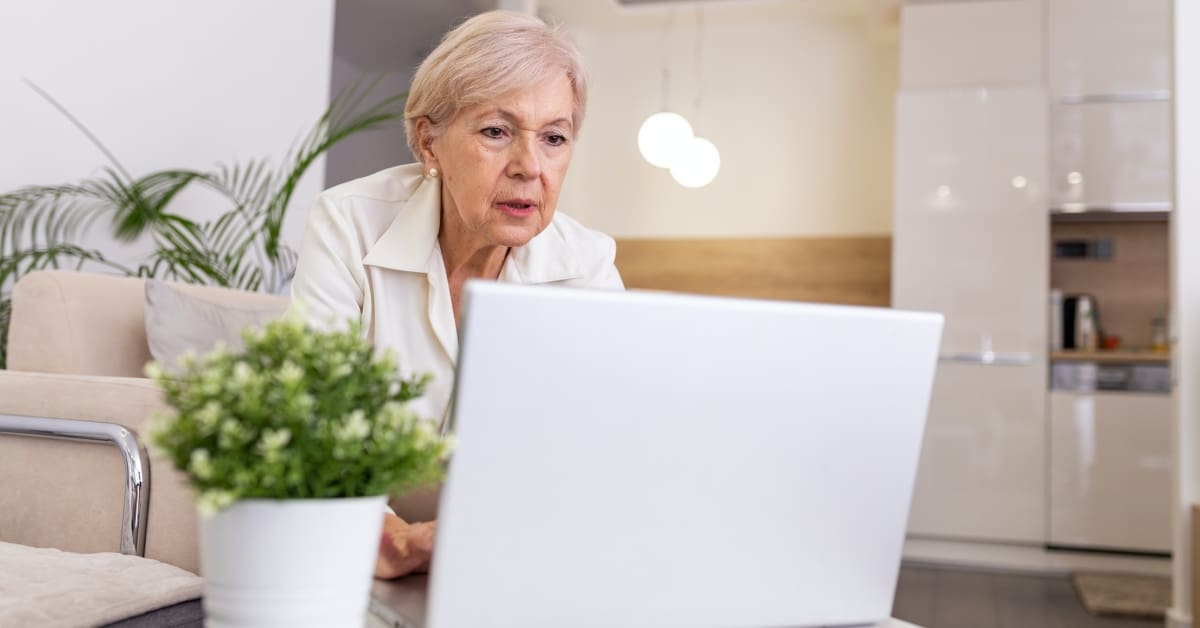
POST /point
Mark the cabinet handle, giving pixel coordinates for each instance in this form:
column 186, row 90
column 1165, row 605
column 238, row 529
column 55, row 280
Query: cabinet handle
column 1155, row 95
column 1124, row 207
column 988, row 358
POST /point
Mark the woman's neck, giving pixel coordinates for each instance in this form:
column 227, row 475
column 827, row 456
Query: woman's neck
column 466, row 257
column 465, row 261
column 464, row 254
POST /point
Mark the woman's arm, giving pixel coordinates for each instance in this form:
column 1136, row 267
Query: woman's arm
column 330, row 280
column 604, row 273
column 608, row 278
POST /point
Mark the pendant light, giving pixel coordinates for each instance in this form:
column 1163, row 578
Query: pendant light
column 666, row 139
column 663, row 135
column 697, row 163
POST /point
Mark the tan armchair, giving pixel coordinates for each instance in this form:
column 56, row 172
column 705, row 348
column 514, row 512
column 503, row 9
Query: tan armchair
column 77, row 347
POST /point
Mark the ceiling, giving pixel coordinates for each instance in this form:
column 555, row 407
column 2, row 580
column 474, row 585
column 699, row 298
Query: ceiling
column 370, row 32
column 602, row 13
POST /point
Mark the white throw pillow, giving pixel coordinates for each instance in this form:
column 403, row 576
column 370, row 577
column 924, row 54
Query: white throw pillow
column 177, row 322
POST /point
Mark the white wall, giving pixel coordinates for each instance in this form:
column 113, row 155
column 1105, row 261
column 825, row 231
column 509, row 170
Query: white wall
column 163, row 85
column 1185, row 301
column 798, row 97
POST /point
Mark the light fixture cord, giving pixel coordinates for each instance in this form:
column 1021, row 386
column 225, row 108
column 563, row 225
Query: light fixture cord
column 699, row 55
column 663, row 43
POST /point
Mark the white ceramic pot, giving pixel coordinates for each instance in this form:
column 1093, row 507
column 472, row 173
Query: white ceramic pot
column 298, row 562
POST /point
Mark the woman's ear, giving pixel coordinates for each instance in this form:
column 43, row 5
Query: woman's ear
column 425, row 139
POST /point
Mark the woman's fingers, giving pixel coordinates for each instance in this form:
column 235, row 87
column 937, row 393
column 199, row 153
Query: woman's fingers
column 421, row 538
column 404, row 548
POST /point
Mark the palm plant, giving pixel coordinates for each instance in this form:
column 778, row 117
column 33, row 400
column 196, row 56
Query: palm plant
column 41, row 226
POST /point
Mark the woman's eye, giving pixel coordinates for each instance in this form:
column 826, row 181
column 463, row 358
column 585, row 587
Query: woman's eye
column 494, row 132
column 556, row 140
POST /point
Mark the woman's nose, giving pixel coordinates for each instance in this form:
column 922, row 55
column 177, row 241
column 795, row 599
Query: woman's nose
column 524, row 161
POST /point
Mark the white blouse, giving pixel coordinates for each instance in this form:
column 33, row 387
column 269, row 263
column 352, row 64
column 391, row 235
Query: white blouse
column 370, row 252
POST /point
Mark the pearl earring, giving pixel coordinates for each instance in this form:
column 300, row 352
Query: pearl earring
column 433, row 172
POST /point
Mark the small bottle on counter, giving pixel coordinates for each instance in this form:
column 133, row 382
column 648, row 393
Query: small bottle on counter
column 1158, row 342
column 1087, row 332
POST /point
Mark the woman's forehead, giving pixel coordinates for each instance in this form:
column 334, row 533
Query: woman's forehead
column 547, row 102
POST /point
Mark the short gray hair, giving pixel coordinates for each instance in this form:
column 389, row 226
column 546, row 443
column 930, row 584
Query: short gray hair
column 484, row 58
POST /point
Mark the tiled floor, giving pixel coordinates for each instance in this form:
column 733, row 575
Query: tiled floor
column 954, row 598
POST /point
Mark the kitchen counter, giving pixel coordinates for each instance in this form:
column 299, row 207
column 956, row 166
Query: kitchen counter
column 1111, row 357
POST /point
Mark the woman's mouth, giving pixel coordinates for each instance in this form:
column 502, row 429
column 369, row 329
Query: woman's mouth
column 518, row 207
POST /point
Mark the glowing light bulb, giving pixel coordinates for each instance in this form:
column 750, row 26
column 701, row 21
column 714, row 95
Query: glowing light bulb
column 697, row 164
column 662, row 137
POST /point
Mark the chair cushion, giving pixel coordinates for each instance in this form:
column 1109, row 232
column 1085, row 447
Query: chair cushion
column 177, row 322
column 49, row 587
column 92, row 324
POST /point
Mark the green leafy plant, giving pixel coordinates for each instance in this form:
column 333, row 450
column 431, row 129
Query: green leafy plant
column 299, row 413
column 42, row 226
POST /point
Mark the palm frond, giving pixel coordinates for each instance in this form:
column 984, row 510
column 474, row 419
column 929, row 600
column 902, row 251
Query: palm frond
column 181, row 244
column 53, row 256
column 146, row 200
column 283, row 269
column 35, row 216
column 344, row 117
column 247, row 185
column 112, row 159
column 5, row 321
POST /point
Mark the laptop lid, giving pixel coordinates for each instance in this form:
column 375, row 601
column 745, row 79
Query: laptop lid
column 651, row 459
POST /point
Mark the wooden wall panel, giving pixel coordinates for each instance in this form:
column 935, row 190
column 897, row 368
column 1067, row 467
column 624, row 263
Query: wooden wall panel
column 849, row 270
column 1131, row 288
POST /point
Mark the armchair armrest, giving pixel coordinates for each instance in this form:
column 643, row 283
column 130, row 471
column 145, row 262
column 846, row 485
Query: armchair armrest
column 69, row 494
column 137, row 465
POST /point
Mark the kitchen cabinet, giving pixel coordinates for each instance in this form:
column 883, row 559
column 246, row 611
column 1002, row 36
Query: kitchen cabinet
column 1109, row 77
column 971, row 242
column 1108, row 47
column 971, row 44
column 1110, row 470
column 1112, row 156
column 1009, row 109
column 982, row 469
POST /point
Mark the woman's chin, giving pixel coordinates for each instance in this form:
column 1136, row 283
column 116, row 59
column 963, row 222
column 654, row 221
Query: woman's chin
column 515, row 235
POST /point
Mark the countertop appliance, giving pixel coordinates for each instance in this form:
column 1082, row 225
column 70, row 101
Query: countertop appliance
column 1080, row 322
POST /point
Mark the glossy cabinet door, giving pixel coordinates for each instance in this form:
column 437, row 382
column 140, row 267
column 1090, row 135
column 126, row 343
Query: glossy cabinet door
column 971, row 242
column 982, row 470
column 970, row 227
column 971, row 44
column 1112, row 156
column 1111, row 470
column 1108, row 46
column 1109, row 71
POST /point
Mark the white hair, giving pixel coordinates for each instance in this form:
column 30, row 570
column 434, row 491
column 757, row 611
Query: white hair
column 485, row 57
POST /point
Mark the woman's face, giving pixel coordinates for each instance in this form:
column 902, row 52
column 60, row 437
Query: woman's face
column 502, row 164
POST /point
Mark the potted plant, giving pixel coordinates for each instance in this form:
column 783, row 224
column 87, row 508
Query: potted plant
column 292, row 446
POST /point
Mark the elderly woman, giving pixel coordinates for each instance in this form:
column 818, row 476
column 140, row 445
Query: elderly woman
column 492, row 116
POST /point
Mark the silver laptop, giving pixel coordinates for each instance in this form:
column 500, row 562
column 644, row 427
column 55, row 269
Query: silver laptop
column 648, row 459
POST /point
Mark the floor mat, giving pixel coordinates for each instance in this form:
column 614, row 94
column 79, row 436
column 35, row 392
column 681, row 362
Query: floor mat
column 1123, row 594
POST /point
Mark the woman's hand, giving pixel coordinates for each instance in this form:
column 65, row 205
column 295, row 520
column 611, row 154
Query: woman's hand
column 404, row 548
